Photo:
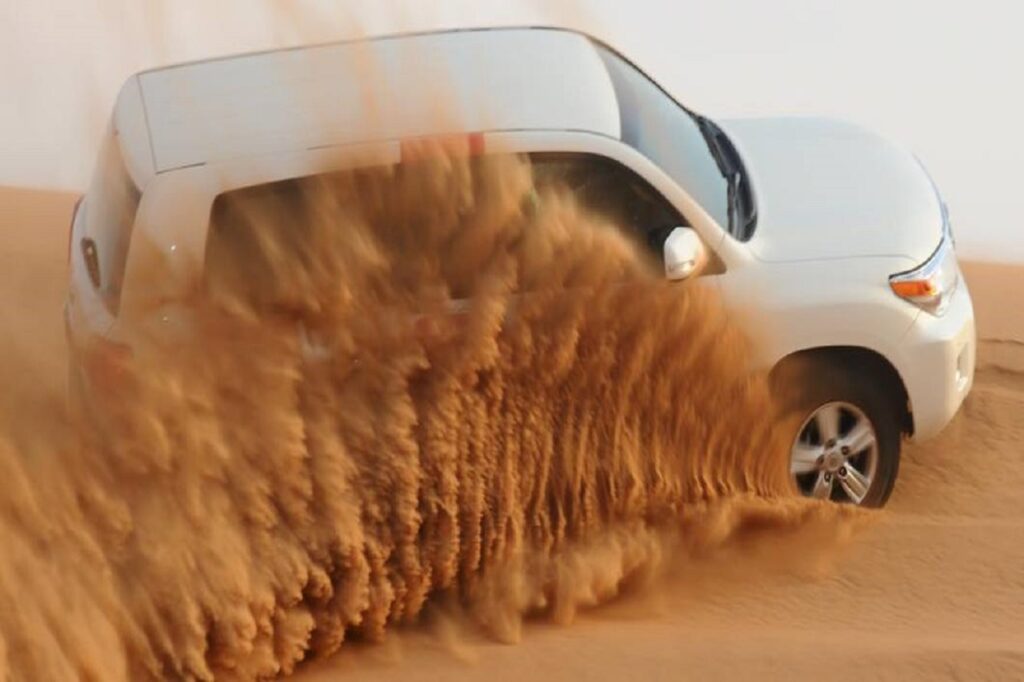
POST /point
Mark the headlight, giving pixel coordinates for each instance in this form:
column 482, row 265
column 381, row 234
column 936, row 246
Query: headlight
column 931, row 285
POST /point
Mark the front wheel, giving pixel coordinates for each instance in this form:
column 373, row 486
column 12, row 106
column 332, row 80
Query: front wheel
column 847, row 445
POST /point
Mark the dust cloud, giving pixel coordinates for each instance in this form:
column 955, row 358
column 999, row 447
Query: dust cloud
column 439, row 380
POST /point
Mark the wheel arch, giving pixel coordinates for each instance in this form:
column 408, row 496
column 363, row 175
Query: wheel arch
column 858, row 358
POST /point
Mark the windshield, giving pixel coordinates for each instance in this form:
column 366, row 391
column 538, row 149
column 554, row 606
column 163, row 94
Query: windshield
column 659, row 128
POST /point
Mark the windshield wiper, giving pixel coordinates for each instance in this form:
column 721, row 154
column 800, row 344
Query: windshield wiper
column 711, row 134
column 739, row 195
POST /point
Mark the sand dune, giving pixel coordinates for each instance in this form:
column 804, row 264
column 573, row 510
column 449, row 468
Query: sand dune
column 933, row 590
column 33, row 248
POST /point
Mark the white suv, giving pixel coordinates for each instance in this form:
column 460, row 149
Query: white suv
column 833, row 238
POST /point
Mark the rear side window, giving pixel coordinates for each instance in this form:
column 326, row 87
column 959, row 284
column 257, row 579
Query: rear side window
column 254, row 244
column 110, row 209
column 267, row 244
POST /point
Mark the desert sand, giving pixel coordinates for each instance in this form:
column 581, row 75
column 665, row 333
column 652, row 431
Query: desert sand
column 932, row 589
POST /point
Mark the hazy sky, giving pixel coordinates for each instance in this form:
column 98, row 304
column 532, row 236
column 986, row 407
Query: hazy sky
column 940, row 76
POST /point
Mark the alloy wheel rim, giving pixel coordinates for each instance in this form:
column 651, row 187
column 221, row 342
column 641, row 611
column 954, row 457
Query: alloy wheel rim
column 835, row 454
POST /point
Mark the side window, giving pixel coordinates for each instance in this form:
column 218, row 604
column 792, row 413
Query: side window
column 614, row 191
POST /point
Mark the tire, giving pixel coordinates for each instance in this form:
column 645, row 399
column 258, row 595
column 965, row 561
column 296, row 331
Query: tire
column 821, row 398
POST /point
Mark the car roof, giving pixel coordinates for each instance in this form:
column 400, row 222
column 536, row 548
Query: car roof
column 362, row 91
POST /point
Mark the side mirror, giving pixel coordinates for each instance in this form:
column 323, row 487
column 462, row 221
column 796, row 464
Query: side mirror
column 684, row 253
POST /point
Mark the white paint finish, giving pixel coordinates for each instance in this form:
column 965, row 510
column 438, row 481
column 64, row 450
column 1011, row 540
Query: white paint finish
column 377, row 90
column 875, row 204
column 928, row 359
column 133, row 132
column 819, row 304
column 731, row 252
column 827, row 189
column 169, row 238
column 936, row 76
column 801, row 305
column 684, row 253
column 153, row 273
column 84, row 310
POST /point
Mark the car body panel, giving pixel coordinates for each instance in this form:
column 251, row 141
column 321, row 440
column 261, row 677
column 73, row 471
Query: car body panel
column 168, row 251
column 828, row 189
column 166, row 260
column 840, row 209
column 132, row 129
column 937, row 361
column 325, row 96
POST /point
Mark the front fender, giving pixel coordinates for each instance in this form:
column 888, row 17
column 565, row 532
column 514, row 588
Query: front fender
column 788, row 308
